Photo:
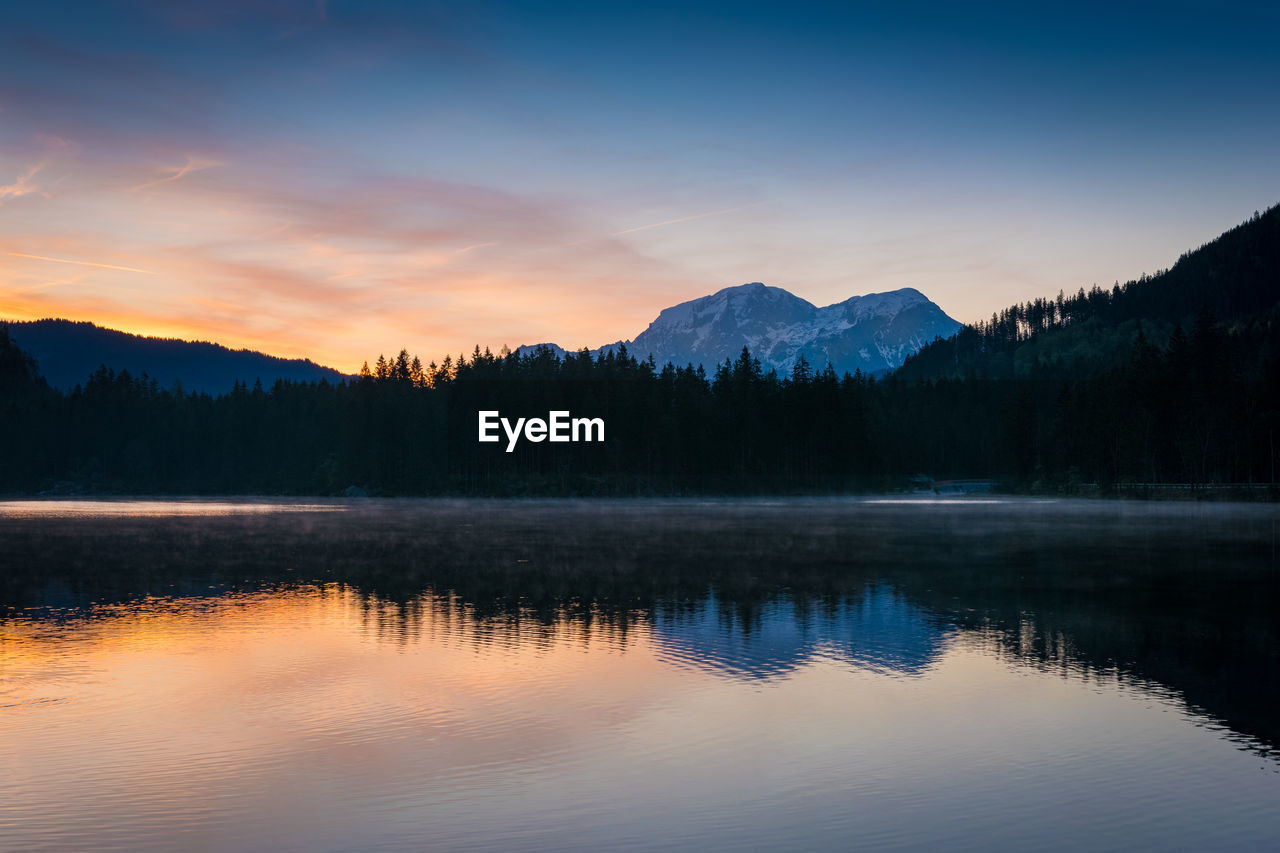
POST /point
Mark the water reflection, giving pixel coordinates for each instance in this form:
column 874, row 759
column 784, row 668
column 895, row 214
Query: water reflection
column 877, row 630
column 557, row 675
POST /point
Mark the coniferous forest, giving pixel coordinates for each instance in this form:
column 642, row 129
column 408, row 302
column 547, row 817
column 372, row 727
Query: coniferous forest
column 1172, row 378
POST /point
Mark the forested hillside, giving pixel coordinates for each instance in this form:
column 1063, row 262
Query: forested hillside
column 68, row 352
column 1235, row 279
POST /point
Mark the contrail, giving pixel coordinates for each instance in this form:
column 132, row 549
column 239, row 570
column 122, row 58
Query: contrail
column 81, row 263
column 688, row 218
column 472, row 247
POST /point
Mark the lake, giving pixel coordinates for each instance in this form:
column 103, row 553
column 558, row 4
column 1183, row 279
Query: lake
column 712, row 674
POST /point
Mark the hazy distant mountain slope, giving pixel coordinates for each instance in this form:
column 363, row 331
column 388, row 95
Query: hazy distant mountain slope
column 871, row 333
column 67, row 353
column 530, row 349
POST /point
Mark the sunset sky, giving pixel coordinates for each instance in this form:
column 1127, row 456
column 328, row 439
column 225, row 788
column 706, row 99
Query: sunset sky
column 338, row 179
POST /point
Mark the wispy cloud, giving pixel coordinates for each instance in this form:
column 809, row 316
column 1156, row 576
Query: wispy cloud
column 194, row 164
column 23, row 185
column 81, row 263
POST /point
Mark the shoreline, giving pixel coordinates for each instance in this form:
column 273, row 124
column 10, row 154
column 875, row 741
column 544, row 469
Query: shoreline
column 1261, row 494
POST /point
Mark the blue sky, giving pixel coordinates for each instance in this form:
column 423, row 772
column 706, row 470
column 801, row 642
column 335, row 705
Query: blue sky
column 336, row 179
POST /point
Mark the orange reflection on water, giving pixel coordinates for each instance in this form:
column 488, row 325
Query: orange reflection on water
column 199, row 709
column 167, row 507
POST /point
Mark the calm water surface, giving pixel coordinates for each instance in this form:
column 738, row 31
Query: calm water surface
column 797, row 674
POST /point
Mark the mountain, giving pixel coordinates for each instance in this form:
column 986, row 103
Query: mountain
column 68, row 352
column 872, row 333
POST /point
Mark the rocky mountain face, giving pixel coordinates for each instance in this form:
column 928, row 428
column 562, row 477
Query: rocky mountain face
column 873, row 333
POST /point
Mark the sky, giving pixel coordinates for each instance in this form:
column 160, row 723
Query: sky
column 329, row 179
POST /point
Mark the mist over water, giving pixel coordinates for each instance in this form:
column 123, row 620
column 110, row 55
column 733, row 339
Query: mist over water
column 801, row 673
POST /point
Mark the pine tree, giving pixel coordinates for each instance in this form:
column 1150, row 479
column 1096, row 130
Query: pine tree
column 801, row 373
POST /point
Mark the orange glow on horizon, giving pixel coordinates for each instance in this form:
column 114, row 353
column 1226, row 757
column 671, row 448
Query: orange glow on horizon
column 270, row 261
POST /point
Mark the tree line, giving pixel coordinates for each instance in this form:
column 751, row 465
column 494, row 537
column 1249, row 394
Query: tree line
column 1202, row 408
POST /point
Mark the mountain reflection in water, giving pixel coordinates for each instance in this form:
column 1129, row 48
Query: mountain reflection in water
column 878, row 631
column 553, row 674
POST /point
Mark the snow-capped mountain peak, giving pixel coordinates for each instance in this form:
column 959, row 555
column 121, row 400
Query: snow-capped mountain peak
column 873, row 333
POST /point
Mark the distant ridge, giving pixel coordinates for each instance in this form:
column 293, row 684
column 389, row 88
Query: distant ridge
column 68, row 352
